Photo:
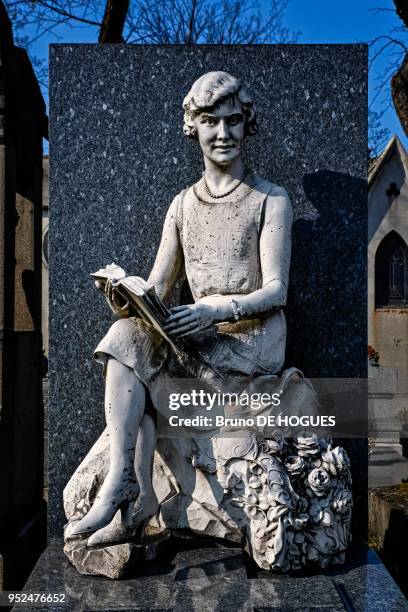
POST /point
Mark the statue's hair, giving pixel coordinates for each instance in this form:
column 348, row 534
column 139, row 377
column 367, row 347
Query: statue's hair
column 212, row 89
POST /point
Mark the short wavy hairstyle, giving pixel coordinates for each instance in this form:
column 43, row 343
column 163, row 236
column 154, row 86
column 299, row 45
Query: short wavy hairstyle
column 212, row 89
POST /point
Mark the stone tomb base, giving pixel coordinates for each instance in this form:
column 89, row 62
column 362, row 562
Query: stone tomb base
column 203, row 576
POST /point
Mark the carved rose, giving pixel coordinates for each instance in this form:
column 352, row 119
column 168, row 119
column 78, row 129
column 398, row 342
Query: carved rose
column 294, row 465
column 335, row 461
column 287, row 529
column 307, row 444
column 319, row 481
column 342, row 501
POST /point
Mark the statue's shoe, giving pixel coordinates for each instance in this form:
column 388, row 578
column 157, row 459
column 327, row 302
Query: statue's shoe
column 127, row 526
column 102, row 512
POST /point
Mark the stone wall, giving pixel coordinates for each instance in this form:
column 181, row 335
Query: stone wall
column 118, row 157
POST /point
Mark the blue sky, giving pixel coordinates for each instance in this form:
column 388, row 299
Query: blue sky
column 319, row 21
column 349, row 21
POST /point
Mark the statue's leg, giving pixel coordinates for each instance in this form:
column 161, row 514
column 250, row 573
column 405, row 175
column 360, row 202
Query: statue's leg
column 124, row 408
column 125, row 398
column 147, row 504
column 126, row 525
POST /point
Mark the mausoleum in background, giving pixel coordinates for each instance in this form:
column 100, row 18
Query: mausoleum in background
column 388, row 310
column 388, row 262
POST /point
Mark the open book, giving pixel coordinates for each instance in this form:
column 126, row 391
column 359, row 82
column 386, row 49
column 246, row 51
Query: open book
column 140, row 298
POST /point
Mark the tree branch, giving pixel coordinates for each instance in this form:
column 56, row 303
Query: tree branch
column 113, row 21
column 60, row 11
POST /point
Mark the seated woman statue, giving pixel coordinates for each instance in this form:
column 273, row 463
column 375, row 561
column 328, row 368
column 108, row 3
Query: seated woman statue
column 231, row 234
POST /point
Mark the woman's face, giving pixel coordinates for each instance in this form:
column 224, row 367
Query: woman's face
column 221, row 131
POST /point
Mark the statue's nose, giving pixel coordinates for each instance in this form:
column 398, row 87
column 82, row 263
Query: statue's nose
column 223, row 131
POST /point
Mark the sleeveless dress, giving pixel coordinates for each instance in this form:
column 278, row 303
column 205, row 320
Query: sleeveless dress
column 220, row 242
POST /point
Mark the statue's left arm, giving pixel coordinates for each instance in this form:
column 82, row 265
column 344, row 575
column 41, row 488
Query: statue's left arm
column 275, row 250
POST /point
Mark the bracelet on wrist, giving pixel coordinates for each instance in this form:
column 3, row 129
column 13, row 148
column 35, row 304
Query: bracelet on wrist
column 236, row 309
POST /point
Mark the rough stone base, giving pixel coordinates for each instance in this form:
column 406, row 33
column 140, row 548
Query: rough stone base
column 206, row 577
column 112, row 561
column 289, row 498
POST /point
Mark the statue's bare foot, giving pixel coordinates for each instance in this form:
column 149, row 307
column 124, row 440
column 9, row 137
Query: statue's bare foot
column 118, row 491
column 127, row 525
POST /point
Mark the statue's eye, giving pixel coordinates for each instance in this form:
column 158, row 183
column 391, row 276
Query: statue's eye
column 235, row 119
column 208, row 120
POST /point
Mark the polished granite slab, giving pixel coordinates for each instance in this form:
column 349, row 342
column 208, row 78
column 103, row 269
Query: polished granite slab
column 203, row 576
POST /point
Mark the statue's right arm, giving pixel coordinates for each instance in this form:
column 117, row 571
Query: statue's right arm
column 169, row 258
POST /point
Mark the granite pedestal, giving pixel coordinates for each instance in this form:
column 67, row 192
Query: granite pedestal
column 205, row 577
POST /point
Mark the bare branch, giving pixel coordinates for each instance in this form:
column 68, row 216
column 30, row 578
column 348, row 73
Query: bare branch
column 393, row 47
column 56, row 8
column 390, row 42
column 377, row 134
column 150, row 21
column 208, row 21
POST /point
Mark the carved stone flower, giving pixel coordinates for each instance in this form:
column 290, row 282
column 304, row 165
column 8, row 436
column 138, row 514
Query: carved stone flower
column 275, row 443
column 342, row 501
column 307, row 444
column 335, row 461
column 294, row 465
column 319, row 481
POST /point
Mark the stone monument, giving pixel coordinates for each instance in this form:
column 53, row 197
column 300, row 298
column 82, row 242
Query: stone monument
column 117, row 157
column 229, row 235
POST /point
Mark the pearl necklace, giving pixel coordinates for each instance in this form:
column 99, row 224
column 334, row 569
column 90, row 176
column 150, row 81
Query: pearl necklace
column 223, row 195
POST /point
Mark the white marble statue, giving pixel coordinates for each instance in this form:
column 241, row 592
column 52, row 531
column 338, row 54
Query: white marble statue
column 230, row 233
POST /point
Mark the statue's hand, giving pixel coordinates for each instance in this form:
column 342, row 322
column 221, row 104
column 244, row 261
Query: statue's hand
column 186, row 320
column 116, row 304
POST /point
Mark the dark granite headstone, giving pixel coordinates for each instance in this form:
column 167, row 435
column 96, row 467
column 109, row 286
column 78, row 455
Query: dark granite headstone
column 118, row 157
